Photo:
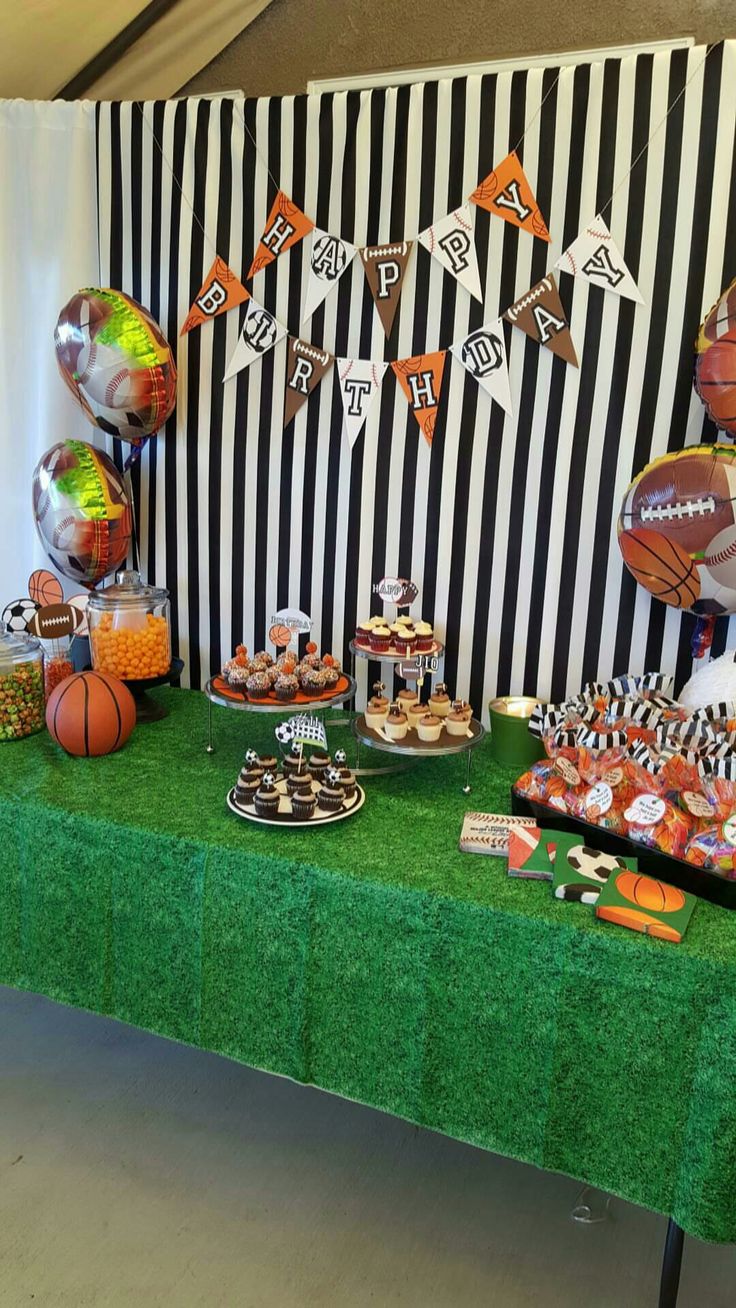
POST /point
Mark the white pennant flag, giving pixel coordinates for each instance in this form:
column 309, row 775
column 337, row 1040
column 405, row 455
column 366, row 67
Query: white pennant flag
column 360, row 382
column 483, row 354
column 329, row 257
column 452, row 242
column 260, row 332
column 596, row 258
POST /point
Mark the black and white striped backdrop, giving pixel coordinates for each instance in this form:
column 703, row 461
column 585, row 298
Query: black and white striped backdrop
column 508, row 523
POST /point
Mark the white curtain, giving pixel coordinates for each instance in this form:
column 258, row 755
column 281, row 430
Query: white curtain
column 48, row 249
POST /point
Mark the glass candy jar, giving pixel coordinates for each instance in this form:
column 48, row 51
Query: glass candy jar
column 22, row 701
column 130, row 629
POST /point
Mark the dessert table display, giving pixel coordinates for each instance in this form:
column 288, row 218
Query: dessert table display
column 373, row 959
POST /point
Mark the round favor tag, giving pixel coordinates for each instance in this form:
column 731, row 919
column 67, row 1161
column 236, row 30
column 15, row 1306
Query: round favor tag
column 599, row 797
column 646, row 810
column 696, row 804
column 613, row 776
column 729, row 829
column 567, row 771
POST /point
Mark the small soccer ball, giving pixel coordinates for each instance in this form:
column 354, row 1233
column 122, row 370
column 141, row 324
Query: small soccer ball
column 284, row 733
column 18, row 614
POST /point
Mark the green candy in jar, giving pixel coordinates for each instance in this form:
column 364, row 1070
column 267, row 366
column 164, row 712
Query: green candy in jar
column 22, row 701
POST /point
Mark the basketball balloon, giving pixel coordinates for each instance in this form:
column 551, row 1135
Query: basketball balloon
column 116, row 362
column 82, row 511
column 653, row 896
column 90, row 713
column 44, row 587
column 677, row 529
column 715, row 362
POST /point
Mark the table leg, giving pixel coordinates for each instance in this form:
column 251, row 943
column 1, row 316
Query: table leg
column 671, row 1264
column 210, row 746
column 467, row 787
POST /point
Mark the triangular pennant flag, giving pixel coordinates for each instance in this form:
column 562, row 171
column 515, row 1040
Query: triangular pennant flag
column 285, row 227
column 360, row 382
column 507, row 193
column 483, row 354
column 384, row 267
column 596, row 258
column 452, row 243
column 540, row 314
column 330, row 256
column 221, row 291
column 259, row 333
column 420, row 379
column 305, row 368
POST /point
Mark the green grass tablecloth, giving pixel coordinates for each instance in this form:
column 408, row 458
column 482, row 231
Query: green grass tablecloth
column 372, row 959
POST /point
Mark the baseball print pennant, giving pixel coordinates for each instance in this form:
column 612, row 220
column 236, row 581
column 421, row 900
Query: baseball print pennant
column 540, row 314
column 286, row 226
column 221, row 291
column 452, row 243
column 507, row 193
column 259, row 334
column 420, row 379
column 384, row 267
column 305, row 369
column 483, row 355
column 329, row 258
column 360, row 382
column 596, row 258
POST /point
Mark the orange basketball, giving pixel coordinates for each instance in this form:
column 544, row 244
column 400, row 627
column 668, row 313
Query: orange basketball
column 91, row 713
column 661, row 566
column 279, row 634
column 656, row 896
column 715, row 380
column 44, row 587
column 408, row 365
column 637, row 921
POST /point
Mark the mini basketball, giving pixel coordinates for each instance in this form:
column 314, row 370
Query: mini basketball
column 653, row 896
column 90, row 714
column 279, row 635
column 661, row 566
column 44, row 587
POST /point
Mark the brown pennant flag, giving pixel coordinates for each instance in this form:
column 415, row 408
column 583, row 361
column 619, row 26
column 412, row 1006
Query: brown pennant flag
column 420, row 379
column 221, row 291
column 286, row 226
column 305, row 368
column 384, row 267
column 507, row 193
column 540, row 314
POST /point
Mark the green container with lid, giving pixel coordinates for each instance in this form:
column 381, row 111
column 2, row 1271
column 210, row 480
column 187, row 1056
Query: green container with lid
column 511, row 741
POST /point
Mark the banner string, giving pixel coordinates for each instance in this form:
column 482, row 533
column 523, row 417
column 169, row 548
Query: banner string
column 535, row 116
column 175, row 180
column 254, row 143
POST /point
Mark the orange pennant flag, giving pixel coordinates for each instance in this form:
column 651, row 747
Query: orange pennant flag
column 507, row 193
column 285, row 227
column 221, row 291
column 420, row 379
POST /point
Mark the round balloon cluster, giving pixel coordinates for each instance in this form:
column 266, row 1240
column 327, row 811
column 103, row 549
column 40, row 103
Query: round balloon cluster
column 116, row 362
column 82, row 511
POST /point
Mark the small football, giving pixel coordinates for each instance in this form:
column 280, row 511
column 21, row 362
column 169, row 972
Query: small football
column 55, row 620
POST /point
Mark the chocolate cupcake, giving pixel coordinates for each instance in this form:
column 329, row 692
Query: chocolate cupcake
column 312, row 680
column 318, row 765
column 285, row 686
column 264, row 657
column 330, row 797
column 303, row 803
column 253, row 762
column 298, row 781
column 267, row 797
column 343, row 774
column 331, row 676
column 258, row 685
column 268, row 762
column 246, row 786
column 293, row 762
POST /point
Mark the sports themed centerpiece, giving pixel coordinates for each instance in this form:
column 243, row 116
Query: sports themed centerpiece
column 303, row 788
column 283, row 678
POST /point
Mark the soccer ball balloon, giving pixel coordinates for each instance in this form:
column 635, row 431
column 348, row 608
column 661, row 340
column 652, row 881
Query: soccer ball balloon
column 116, row 363
column 82, row 511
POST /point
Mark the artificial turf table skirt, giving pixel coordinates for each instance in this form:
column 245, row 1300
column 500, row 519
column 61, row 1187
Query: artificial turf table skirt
column 374, row 960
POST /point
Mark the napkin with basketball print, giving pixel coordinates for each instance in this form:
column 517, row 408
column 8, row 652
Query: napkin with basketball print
column 642, row 903
column 532, row 853
column 581, row 872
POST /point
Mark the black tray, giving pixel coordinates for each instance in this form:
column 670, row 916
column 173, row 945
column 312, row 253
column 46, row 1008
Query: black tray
column 695, row 880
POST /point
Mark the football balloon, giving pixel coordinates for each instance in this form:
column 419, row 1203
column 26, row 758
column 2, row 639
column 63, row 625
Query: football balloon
column 82, row 511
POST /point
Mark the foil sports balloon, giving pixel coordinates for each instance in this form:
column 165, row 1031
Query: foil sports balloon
column 677, row 529
column 116, row 363
column 715, row 362
column 82, row 511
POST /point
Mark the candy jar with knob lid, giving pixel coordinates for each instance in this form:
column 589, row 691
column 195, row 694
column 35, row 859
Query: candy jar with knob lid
column 22, row 700
column 130, row 629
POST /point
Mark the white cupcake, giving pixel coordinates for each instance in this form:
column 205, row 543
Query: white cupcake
column 406, row 697
column 456, row 723
column 396, row 725
column 439, row 701
column 415, row 712
column 376, row 712
column 429, row 727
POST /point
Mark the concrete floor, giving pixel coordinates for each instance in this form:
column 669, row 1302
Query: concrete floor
column 135, row 1171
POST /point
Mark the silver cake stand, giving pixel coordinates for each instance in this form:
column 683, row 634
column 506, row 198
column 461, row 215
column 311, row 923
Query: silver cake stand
column 359, row 651
column 284, row 708
column 416, row 749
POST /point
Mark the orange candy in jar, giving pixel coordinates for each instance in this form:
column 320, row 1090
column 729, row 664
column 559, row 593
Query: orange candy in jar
column 129, row 629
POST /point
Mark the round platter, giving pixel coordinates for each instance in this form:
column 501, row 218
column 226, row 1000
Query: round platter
column 416, row 748
column 284, row 816
column 219, row 692
column 391, row 656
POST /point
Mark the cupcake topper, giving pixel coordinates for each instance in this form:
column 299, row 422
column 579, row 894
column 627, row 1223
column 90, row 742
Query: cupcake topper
column 440, row 688
column 268, row 779
column 251, row 756
column 379, row 687
column 284, row 734
column 340, row 756
column 394, row 709
column 333, row 776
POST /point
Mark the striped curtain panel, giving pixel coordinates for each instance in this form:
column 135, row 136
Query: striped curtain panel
column 507, row 524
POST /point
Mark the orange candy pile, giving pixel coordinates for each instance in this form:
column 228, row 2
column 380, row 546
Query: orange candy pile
column 131, row 655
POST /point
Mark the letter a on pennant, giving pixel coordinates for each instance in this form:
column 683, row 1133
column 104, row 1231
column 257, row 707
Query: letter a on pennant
column 540, row 314
column 221, row 291
column 596, row 258
column 286, row 226
column 420, row 379
column 384, row 267
column 507, row 193
column 306, row 366
column 360, row 382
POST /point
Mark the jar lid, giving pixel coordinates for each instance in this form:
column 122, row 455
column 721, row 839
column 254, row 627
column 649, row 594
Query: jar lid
column 128, row 592
column 15, row 645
